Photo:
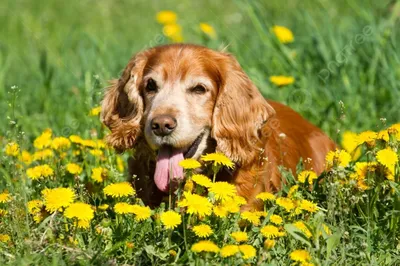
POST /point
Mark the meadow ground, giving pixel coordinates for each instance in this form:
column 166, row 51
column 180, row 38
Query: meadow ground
column 341, row 66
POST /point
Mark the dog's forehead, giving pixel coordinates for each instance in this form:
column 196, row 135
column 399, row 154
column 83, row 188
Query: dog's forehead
column 181, row 63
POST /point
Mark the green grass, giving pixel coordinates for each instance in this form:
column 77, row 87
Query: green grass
column 61, row 54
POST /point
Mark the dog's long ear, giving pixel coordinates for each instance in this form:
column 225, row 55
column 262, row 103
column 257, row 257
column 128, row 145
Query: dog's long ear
column 239, row 113
column 122, row 106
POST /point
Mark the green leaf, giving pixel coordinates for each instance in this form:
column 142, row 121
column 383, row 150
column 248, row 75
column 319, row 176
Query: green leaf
column 332, row 242
column 297, row 234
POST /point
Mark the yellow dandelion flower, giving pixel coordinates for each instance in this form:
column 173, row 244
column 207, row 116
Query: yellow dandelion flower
column 166, row 17
column 99, row 174
column 34, row 206
column 5, row 197
column 142, row 212
column 232, row 205
column 264, row 196
column 276, row 219
column 75, row 139
column 202, row 180
column 338, row 157
column 73, row 168
column 239, row 200
column 208, row 30
column 196, row 204
column 395, row 130
column 283, row 34
column 218, row 159
column 3, row 212
column 57, row 198
column 173, row 31
column 247, row 251
column 12, row 149
column 285, row 203
column 100, row 144
column 95, row 111
column 171, row 219
column 120, row 164
column 80, row 211
column 38, row 217
column 271, row 232
column 302, row 227
column 205, row 246
column 252, row 217
column 222, row 190
column 383, row 135
column 300, row 255
column 202, row 230
column 367, row 137
column 387, row 157
column 350, row 144
column 188, row 185
column 189, row 164
column 307, row 175
column 96, row 152
column 60, row 143
column 389, row 173
column 261, row 213
column 116, row 190
column 361, row 185
column 281, row 81
column 220, row 211
column 25, row 157
column 89, row 143
column 44, row 140
column 103, row 207
column 123, row 208
column 269, row 243
column 240, row 236
column 362, row 169
column 84, row 224
column 308, row 206
column 4, row 238
column 292, row 191
column 39, row 172
column 42, row 155
column 229, row 250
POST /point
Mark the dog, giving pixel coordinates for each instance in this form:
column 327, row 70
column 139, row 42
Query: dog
column 182, row 101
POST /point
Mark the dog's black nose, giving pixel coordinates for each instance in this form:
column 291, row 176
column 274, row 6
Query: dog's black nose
column 163, row 125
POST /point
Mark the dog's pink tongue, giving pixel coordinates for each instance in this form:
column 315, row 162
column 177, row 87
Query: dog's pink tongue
column 167, row 162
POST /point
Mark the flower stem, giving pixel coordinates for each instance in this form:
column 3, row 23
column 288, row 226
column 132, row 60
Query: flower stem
column 184, row 234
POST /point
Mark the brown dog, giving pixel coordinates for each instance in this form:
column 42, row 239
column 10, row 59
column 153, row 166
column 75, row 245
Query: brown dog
column 181, row 101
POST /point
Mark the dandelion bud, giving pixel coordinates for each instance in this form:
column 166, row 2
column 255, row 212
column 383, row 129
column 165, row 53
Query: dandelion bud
column 269, row 243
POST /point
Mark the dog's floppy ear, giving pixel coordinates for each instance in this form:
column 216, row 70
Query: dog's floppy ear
column 239, row 113
column 122, row 106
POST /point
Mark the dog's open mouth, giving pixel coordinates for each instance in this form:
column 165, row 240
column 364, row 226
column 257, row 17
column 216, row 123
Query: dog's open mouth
column 167, row 164
column 193, row 148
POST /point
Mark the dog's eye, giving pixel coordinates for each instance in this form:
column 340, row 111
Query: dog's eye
column 198, row 89
column 151, row 86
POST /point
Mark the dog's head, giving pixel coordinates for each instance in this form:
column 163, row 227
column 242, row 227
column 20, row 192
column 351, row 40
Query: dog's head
column 179, row 96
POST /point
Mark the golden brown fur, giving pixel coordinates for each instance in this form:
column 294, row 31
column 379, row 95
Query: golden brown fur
column 230, row 112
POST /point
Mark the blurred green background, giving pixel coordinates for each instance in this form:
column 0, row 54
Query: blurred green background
column 60, row 55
